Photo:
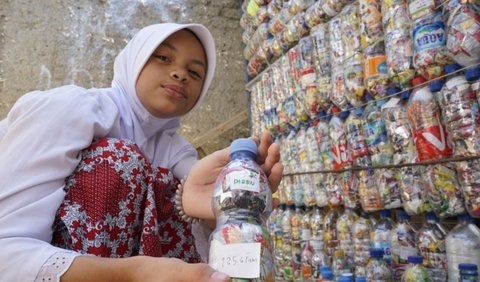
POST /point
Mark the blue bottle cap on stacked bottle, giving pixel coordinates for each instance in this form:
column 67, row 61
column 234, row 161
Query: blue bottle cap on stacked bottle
column 468, row 266
column 472, row 74
column 376, row 253
column 415, row 259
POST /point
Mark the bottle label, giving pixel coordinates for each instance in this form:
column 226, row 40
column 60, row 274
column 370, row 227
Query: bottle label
column 240, row 260
column 429, row 36
column 244, row 180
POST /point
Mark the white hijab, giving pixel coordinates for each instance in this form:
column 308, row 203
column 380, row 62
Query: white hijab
column 156, row 137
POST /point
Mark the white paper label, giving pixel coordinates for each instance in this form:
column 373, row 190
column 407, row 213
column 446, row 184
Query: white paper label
column 240, row 260
column 393, row 102
column 244, row 180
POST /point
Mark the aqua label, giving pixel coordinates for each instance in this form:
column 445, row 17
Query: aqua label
column 429, row 36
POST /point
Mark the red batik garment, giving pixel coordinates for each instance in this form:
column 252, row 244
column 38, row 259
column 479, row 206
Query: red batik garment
column 117, row 205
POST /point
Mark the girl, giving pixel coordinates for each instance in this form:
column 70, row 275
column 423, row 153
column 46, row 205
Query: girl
column 88, row 176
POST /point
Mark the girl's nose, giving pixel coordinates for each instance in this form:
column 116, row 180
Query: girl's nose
column 179, row 75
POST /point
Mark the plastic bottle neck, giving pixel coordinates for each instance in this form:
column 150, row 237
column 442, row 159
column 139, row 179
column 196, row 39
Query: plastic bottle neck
column 234, row 215
column 243, row 155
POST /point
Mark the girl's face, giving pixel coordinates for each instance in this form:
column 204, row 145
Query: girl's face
column 171, row 81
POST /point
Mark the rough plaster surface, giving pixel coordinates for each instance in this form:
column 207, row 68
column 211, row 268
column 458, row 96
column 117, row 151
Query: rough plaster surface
column 49, row 43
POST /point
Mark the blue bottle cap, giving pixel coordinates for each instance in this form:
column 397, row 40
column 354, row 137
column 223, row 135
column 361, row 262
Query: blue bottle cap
column 403, row 215
column 465, row 217
column 415, row 259
column 468, row 266
column 359, row 111
column 344, row 279
column 431, row 216
column 243, row 144
column 472, row 74
column 344, row 114
column 361, row 279
column 325, row 268
column 393, row 90
column 436, row 85
column 368, row 97
column 327, row 274
column 452, row 68
column 385, row 213
column 376, row 253
column 405, row 95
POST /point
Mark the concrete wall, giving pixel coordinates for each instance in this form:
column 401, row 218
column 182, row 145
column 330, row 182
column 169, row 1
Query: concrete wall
column 48, row 43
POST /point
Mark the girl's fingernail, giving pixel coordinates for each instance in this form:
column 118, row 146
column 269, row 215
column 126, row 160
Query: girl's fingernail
column 218, row 276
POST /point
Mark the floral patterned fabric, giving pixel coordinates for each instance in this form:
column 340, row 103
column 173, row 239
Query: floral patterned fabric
column 118, row 205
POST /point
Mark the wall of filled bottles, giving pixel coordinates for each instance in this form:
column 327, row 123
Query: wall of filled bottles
column 376, row 106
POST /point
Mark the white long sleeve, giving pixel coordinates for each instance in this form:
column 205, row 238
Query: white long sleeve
column 42, row 137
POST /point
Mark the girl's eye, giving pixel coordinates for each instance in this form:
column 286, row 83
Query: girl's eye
column 195, row 74
column 162, row 58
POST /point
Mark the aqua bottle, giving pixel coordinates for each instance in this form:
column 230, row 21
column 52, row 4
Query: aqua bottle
column 468, row 272
column 463, row 246
column 415, row 271
column 240, row 245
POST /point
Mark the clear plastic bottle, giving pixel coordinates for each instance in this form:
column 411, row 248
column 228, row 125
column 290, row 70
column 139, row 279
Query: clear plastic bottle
column 430, row 242
column 345, row 235
column 399, row 131
column 380, row 235
column 381, row 151
column 342, row 156
column 468, row 272
column 305, row 225
column 242, row 202
column 318, row 260
column 330, row 235
column 356, row 138
column 431, row 138
column 472, row 75
column 403, row 244
column 316, row 226
column 463, row 22
column 415, row 271
column 463, row 246
column 460, row 111
column 361, row 241
column 307, row 253
column 377, row 269
column 295, row 223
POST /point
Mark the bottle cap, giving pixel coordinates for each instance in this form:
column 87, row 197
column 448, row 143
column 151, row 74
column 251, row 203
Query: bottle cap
column 376, row 253
column 405, row 95
column 243, row 144
column 418, row 80
column 361, row 279
column 431, row 216
column 368, row 97
column 436, row 85
column 344, row 279
column 415, row 259
column 468, row 266
column 327, row 274
column 403, row 215
column 344, row 114
column 452, row 68
column 465, row 217
column 393, row 90
column 324, row 268
column 385, row 213
column 472, row 74
column 359, row 111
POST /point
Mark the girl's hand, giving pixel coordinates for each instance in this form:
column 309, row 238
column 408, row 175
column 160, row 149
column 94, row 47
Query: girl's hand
column 199, row 185
column 141, row 269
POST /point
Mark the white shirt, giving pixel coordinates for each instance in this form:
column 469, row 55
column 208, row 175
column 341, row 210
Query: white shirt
column 42, row 136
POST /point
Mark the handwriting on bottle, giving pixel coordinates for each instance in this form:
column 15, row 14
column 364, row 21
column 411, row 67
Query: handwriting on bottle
column 241, row 260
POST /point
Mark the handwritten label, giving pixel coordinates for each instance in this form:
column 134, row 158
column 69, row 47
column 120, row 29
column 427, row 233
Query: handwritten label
column 244, row 180
column 240, row 260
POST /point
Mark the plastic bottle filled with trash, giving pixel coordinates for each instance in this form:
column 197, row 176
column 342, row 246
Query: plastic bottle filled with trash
column 430, row 242
column 463, row 246
column 415, row 271
column 403, row 244
column 241, row 245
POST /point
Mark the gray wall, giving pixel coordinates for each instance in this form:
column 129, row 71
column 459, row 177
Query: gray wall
column 48, row 43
